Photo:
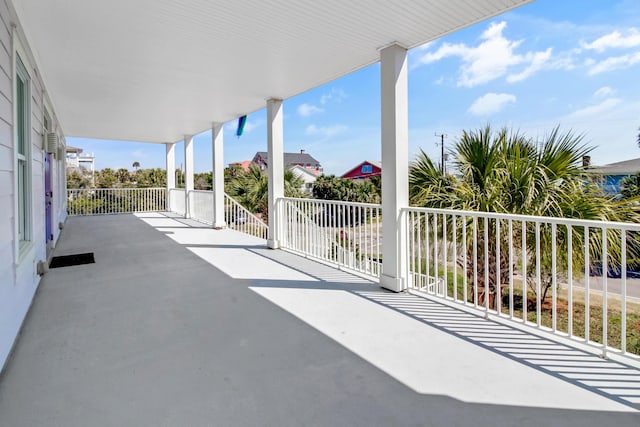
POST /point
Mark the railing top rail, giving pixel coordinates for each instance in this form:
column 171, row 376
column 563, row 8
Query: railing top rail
column 332, row 202
column 254, row 218
column 530, row 218
column 176, row 189
column 201, row 191
column 117, row 188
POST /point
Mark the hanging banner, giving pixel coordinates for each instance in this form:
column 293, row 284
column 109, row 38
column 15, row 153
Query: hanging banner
column 241, row 122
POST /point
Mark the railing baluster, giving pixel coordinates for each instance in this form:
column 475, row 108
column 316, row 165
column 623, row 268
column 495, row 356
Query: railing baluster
column 464, row 259
column 525, row 300
column 554, row 281
column 587, row 307
column 444, row 256
column 427, row 249
column 475, row 261
column 623, row 267
column 538, row 276
column 454, row 224
column 510, row 268
column 435, row 253
column 570, row 279
column 605, row 275
column 498, row 298
column 487, row 287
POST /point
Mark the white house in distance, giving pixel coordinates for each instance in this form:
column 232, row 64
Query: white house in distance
column 113, row 71
column 302, row 159
column 76, row 158
column 308, row 176
column 302, row 164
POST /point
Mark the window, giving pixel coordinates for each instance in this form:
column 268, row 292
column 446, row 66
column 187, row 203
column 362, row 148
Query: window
column 366, row 169
column 23, row 151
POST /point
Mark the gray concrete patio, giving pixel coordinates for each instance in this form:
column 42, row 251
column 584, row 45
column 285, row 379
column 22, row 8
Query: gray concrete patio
column 179, row 324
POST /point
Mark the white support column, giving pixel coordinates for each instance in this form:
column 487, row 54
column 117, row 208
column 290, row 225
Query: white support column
column 217, row 144
column 171, row 171
column 188, row 173
column 395, row 164
column 275, row 142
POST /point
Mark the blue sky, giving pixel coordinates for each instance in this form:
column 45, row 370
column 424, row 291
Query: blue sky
column 573, row 63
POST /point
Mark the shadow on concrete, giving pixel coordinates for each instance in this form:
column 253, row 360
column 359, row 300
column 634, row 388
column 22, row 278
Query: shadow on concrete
column 153, row 335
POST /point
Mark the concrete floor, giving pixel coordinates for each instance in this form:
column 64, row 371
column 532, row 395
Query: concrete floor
column 178, row 324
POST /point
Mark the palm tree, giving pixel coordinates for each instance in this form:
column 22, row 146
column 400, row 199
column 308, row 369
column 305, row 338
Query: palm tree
column 251, row 189
column 506, row 172
column 136, row 165
column 123, row 175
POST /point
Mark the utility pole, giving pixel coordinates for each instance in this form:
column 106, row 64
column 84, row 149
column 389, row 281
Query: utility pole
column 442, row 136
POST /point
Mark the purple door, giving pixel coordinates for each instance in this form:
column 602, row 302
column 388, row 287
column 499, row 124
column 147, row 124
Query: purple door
column 48, row 197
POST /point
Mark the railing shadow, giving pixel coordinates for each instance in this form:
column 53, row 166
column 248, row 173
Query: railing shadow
column 610, row 379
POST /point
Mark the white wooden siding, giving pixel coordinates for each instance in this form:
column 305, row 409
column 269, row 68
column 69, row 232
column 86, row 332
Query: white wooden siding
column 18, row 278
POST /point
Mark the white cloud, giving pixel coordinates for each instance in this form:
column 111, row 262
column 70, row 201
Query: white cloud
column 613, row 63
column 250, row 126
column 491, row 103
column 306, row 110
column 614, row 39
column 494, row 57
column 335, row 95
column 604, row 92
column 594, row 110
column 536, row 60
column 325, row 131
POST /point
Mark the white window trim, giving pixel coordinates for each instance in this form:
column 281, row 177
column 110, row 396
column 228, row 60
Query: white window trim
column 25, row 246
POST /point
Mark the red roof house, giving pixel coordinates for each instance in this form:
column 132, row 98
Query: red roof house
column 364, row 170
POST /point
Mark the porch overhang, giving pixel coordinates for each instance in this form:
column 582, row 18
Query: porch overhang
column 155, row 70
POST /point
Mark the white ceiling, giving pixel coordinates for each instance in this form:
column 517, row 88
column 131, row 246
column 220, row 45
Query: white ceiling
column 155, row 70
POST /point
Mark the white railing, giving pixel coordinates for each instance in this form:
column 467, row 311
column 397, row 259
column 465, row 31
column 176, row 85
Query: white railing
column 201, row 209
column 201, row 206
column 176, row 200
column 539, row 271
column 240, row 219
column 346, row 234
column 103, row 201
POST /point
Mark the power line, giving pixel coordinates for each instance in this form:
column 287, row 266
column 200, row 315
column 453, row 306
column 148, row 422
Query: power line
column 443, row 167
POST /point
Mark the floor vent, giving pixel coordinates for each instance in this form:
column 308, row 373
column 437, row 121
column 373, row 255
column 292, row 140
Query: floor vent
column 69, row 260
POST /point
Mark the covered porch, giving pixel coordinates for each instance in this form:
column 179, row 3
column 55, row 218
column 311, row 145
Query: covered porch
column 179, row 324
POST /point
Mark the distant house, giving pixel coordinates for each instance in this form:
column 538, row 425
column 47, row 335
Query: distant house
column 244, row 165
column 613, row 173
column 301, row 159
column 364, row 170
column 307, row 176
column 75, row 158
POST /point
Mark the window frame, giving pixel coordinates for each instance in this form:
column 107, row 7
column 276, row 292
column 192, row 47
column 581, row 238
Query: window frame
column 23, row 157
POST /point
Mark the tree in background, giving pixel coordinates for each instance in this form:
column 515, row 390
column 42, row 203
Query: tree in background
column 155, row 177
column 105, row 178
column 330, row 187
column 203, row 181
column 179, row 178
column 123, row 176
column 507, row 172
column 136, row 165
column 250, row 189
column 231, row 173
column 78, row 179
column 630, row 186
